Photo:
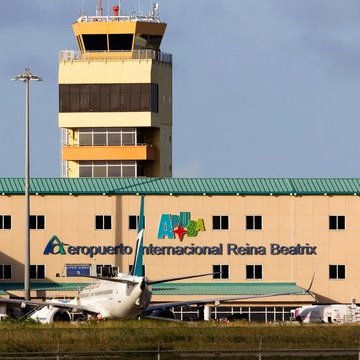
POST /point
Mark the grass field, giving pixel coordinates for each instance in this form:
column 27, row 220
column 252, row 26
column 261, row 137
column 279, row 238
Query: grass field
column 148, row 335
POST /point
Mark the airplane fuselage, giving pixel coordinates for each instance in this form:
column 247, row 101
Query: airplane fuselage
column 109, row 300
column 116, row 300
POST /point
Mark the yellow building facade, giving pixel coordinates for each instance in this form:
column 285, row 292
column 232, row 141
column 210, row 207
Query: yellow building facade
column 115, row 99
column 259, row 233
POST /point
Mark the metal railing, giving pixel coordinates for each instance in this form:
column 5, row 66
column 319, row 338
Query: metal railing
column 188, row 354
column 148, row 19
column 77, row 55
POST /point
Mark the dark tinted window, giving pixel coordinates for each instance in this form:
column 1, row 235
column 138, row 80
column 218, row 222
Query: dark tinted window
column 94, row 104
column 37, row 222
column 155, row 98
column 5, row 222
column 41, row 222
column 105, row 98
column 337, row 222
column 253, row 272
column 5, row 272
column 220, row 222
column 332, row 222
column 341, row 222
column 336, row 271
column 108, row 97
column 341, row 271
column 103, row 222
column 120, row 41
column 134, row 221
column 95, row 42
column 32, row 271
column 253, row 222
column 216, row 222
column 217, row 272
column 135, row 97
column 41, row 272
column 220, row 271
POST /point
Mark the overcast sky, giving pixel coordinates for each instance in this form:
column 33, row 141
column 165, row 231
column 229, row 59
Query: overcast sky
column 262, row 88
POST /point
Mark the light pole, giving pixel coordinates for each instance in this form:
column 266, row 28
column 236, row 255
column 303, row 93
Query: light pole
column 26, row 77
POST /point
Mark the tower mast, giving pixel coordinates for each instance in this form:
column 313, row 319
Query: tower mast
column 99, row 9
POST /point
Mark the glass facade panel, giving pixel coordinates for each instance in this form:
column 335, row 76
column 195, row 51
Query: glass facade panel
column 114, row 171
column 128, row 171
column 108, row 97
column 128, row 139
column 85, row 171
column 99, row 171
column 114, row 139
column 100, row 139
column 109, row 169
column 85, row 139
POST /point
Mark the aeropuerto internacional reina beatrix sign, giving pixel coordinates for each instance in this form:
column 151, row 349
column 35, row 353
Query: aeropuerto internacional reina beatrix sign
column 57, row 247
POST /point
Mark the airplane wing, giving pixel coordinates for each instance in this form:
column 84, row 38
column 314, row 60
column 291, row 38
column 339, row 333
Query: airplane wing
column 147, row 281
column 218, row 301
column 160, row 281
column 60, row 305
column 112, row 279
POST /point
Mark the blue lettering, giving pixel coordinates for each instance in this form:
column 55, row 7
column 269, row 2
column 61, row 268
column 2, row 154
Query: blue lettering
column 165, row 227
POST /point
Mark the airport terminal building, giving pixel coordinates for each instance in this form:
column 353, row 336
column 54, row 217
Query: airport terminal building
column 257, row 236
column 260, row 236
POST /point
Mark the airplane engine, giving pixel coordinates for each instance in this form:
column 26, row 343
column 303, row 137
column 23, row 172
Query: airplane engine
column 47, row 315
column 163, row 313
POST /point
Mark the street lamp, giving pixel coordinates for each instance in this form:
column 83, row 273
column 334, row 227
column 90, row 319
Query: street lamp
column 26, row 77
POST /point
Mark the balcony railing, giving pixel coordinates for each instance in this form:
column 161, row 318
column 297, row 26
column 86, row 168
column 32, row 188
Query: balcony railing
column 77, row 55
column 148, row 19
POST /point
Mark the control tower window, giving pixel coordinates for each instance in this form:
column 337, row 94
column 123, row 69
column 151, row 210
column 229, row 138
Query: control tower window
column 95, row 42
column 120, row 42
column 109, row 97
column 154, row 42
column 151, row 42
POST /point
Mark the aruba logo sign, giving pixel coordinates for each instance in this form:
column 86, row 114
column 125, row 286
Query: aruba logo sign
column 180, row 225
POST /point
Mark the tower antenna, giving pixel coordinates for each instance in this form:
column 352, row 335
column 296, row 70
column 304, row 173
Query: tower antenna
column 83, row 12
column 120, row 7
column 155, row 10
column 99, row 10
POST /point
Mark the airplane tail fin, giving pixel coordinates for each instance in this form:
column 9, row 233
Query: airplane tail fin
column 137, row 269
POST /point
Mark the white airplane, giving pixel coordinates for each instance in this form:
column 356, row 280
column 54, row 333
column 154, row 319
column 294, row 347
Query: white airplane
column 332, row 313
column 122, row 297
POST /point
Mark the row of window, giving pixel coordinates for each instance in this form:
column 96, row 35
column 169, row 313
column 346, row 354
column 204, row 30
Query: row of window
column 253, row 272
column 110, row 137
column 255, row 222
column 118, row 42
column 37, row 222
column 108, row 97
column 103, row 222
column 110, row 169
column 36, row 272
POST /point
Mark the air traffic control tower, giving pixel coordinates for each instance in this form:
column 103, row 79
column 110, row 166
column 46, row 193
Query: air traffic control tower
column 115, row 98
